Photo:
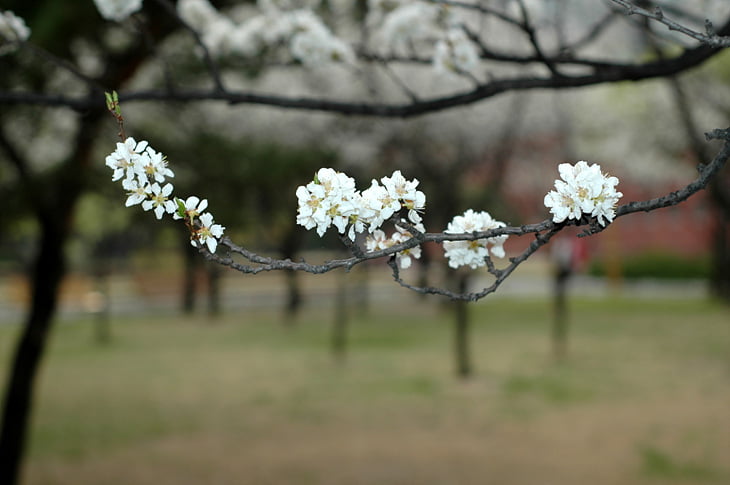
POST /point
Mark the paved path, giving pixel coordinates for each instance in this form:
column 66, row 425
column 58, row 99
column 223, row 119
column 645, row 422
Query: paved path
column 157, row 294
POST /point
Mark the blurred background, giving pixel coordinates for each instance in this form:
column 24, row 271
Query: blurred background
column 602, row 360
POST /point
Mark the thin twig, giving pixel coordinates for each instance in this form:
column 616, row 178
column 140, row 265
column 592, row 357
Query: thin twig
column 709, row 37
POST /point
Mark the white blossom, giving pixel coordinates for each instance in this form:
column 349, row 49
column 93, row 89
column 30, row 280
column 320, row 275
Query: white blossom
column 152, row 167
column 142, row 170
column 473, row 253
column 318, row 47
column 406, row 257
column 12, row 31
column 193, row 207
column 583, row 189
column 405, row 192
column 377, row 205
column 455, row 53
column 198, row 14
column 158, row 199
column 249, row 38
column 378, row 241
column 331, row 199
column 208, row 233
column 124, row 160
column 408, row 24
column 136, row 192
column 117, row 10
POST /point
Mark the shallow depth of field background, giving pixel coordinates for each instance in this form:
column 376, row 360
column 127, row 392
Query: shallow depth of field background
column 359, row 386
column 254, row 397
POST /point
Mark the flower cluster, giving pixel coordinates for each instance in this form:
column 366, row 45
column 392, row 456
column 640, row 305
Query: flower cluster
column 473, row 253
column 308, row 39
column 378, row 241
column 401, row 24
column 331, row 199
column 583, row 189
column 12, row 31
column 144, row 173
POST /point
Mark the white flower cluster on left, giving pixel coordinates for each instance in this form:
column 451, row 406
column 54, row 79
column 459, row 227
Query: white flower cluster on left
column 143, row 172
column 12, row 31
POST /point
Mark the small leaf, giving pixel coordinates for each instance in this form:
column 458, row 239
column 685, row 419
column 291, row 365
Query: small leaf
column 180, row 207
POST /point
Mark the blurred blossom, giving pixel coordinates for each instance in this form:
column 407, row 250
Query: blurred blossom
column 455, row 53
column 12, row 31
column 473, row 253
column 117, row 10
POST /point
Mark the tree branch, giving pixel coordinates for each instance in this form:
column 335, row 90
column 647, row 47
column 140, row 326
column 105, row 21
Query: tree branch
column 544, row 231
column 709, row 37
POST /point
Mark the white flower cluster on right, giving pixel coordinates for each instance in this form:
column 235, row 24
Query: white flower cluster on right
column 473, row 253
column 584, row 189
column 12, row 31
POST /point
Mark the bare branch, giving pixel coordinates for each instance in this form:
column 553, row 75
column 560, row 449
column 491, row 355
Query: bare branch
column 210, row 64
column 709, row 37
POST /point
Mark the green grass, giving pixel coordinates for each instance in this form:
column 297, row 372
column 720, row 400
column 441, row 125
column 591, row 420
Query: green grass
column 180, row 396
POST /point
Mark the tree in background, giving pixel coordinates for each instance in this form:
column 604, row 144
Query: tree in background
column 384, row 67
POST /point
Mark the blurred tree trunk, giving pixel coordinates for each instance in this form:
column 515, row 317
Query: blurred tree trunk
column 719, row 188
column 464, row 367
column 47, row 274
column 214, row 290
column 54, row 210
column 191, row 262
column 560, row 314
column 339, row 327
column 102, row 321
column 719, row 192
column 720, row 274
column 291, row 244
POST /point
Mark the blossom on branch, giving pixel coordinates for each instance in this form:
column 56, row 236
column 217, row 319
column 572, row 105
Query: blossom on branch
column 159, row 200
column 12, row 31
column 473, row 253
column 378, row 241
column 142, row 170
column 208, row 233
column 583, row 189
column 331, row 199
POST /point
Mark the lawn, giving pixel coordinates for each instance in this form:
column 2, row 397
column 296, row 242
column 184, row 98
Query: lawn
column 642, row 398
